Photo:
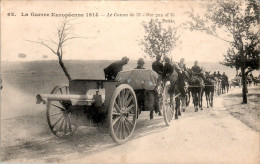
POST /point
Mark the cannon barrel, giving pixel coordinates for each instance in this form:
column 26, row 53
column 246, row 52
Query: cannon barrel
column 58, row 97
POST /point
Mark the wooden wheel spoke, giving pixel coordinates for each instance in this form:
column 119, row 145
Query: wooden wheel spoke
column 65, row 128
column 61, row 91
column 123, row 129
column 123, row 97
column 127, row 128
column 63, row 104
column 126, row 97
column 60, row 128
column 120, row 130
column 117, row 107
column 58, row 107
column 116, row 120
column 129, row 100
column 119, row 100
column 129, row 121
column 130, row 107
column 56, row 113
column 57, row 121
column 116, row 114
column 119, row 124
column 69, row 122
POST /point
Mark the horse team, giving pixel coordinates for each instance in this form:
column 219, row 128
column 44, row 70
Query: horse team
column 184, row 82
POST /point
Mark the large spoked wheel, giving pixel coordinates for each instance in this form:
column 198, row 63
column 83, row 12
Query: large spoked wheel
column 168, row 108
column 122, row 113
column 59, row 115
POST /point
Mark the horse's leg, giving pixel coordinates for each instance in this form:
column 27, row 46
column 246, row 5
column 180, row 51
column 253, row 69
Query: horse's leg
column 207, row 97
column 211, row 99
column 192, row 97
column 177, row 107
column 183, row 105
column 188, row 98
column 201, row 98
column 189, row 92
column 195, row 100
column 227, row 87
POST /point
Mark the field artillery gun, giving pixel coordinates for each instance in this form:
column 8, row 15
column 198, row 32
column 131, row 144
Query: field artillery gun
column 116, row 103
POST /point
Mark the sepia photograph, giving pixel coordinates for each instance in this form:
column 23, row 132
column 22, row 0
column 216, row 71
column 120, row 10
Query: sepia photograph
column 130, row 81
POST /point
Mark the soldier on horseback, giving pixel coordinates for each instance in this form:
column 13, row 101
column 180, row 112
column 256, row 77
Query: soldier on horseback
column 197, row 85
column 182, row 65
column 173, row 73
column 157, row 66
column 197, row 71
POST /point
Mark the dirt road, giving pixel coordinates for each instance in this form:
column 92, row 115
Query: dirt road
column 208, row 136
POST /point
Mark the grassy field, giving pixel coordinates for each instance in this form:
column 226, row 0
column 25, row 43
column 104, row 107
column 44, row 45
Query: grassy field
column 41, row 76
column 248, row 113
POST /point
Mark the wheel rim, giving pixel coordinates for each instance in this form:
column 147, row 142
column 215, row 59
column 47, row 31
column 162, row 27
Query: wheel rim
column 123, row 112
column 168, row 108
column 59, row 115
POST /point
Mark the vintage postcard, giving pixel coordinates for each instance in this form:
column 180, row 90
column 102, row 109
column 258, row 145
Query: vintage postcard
column 130, row 81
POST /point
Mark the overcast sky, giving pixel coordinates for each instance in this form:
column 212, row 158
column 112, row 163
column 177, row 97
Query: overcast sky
column 110, row 38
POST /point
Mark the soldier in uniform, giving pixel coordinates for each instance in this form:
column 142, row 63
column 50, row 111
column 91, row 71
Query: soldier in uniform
column 218, row 75
column 167, row 75
column 196, row 69
column 214, row 74
column 113, row 69
column 157, row 66
column 168, row 68
column 182, row 65
column 140, row 63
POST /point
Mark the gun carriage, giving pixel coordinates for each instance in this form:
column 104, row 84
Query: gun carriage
column 116, row 103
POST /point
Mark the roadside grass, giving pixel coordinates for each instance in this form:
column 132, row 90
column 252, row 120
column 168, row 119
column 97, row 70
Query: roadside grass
column 248, row 113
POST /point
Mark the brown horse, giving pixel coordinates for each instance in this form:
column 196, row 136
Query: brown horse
column 196, row 86
column 209, row 89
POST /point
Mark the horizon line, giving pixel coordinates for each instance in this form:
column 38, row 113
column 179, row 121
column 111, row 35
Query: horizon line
column 90, row 60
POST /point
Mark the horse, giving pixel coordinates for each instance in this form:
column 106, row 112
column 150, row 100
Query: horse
column 196, row 86
column 178, row 87
column 209, row 89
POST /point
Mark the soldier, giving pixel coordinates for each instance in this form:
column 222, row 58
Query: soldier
column 168, row 70
column 214, row 74
column 140, row 63
column 182, row 65
column 224, row 77
column 157, row 66
column 196, row 69
column 113, row 69
column 218, row 75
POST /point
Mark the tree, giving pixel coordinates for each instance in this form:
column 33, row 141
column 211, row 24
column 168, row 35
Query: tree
column 240, row 22
column 157, row 40
column 64, row 34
